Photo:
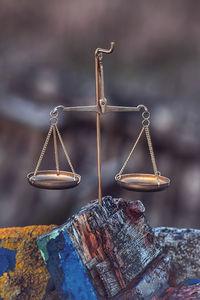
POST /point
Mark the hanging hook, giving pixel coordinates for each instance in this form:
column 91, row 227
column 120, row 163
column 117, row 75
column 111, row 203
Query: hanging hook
column 141, row 106
column 56, row 109
column 106, row 51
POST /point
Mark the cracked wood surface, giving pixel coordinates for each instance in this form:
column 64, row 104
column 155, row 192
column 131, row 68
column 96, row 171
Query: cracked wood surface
column 114, row 243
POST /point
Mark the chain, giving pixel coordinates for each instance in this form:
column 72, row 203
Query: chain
column 43, row 150
column 145, row 127
column 55, row 150
column 65, row 151
column 147, row 132
column 132, row 150
column 54, row 128
column 146, row 124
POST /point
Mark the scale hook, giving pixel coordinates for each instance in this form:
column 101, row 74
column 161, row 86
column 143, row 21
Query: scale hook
column 106, row 51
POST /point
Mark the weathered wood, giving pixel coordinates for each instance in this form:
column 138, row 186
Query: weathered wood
column 114, row 244
column 182, row 246
column 23, row 274
column 154, row 280
column 189, row 290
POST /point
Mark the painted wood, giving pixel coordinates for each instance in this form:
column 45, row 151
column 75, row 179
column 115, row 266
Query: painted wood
column 23, row 274
column 114, row 243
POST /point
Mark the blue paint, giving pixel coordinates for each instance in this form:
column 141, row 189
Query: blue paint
column 7, row 260
column 178, row 236
column 77, row 284
column 65, row 266
column 52, row 248
column 192, row 281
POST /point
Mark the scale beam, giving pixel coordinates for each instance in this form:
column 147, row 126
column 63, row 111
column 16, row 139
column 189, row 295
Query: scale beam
column 103, row 108
column 90, row 108
column 110, row 108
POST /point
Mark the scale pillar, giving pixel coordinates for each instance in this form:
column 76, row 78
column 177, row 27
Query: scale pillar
column 99, row 80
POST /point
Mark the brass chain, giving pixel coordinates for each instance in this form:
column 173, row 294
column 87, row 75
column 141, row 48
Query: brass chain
column 43, row 150
column 132, row 150
column 148, row 136
column 145, row 127
column 53, row 128
column 55, row 150
column 65, row 150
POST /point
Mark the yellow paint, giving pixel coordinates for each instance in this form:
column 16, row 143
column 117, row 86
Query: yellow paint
column 30, row 276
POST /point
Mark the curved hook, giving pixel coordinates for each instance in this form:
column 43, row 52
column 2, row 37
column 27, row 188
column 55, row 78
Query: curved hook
column 56, row 109
column 141, row 106
column 106, row 51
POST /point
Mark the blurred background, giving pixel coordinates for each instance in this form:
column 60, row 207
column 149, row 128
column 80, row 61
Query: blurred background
column 47, row 58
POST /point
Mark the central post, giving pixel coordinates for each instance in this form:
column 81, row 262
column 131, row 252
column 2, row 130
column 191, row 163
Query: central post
column 100, row 97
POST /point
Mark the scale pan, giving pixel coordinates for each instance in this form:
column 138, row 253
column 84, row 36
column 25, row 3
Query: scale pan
column 143, row 182
column 50, row 180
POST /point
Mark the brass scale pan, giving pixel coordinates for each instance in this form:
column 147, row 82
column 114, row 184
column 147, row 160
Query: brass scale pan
column 54, row 181
column 65, row 180
column 143, row 182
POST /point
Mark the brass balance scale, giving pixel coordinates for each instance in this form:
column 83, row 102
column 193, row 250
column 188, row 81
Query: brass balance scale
column 57, row 179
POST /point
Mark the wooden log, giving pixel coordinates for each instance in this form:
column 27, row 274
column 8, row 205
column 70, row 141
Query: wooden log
column 112, row 245
column 182, row 246
column 189, row 290
column 154, row 280
column 23, row 274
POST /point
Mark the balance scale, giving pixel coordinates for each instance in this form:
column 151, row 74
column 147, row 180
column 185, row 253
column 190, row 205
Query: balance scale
column 57, row 179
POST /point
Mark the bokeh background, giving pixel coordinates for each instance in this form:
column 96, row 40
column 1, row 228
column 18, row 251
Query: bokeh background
column 47, row 58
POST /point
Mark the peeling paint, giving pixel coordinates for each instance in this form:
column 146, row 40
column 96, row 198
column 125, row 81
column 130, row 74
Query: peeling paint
column 7, row 260
column 24, row 273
